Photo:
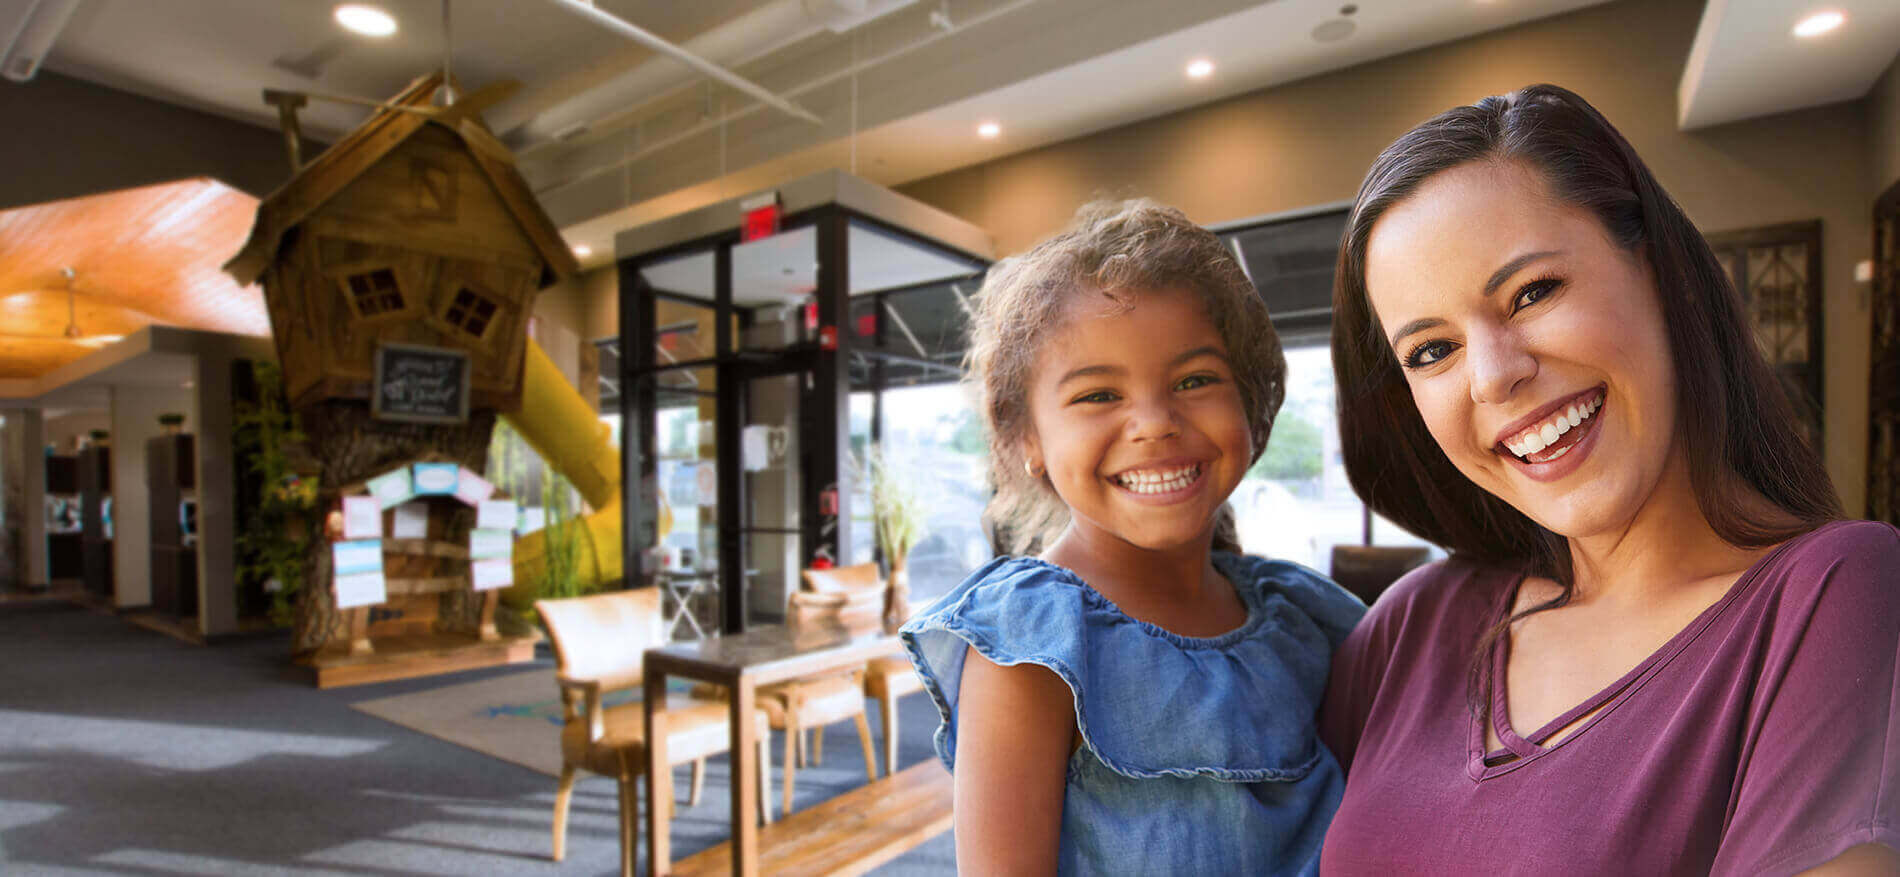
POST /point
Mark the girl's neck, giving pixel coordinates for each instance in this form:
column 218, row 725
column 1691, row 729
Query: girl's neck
column 1142, row 581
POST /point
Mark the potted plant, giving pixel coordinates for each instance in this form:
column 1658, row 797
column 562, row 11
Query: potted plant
column 899, row 523
column 172, row 422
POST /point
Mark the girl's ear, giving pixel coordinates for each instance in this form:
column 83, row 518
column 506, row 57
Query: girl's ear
column 1031, row 448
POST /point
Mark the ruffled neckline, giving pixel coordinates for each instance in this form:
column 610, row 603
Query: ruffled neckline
column 1226, row 564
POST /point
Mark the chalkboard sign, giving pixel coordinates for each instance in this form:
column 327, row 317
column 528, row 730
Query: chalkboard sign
column 420, row 384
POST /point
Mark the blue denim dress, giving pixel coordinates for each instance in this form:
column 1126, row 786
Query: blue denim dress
column 1198, row 755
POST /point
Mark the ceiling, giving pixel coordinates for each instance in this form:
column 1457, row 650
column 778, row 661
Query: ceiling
column 611, row 135
column 1746, row 60
column 138, row 257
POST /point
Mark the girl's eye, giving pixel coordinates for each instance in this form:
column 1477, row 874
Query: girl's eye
column 1428, row 353
column 1534, row 292
column 1097, row 397
column 1195, row 382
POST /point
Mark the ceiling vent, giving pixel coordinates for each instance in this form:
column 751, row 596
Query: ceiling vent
column 840, row 16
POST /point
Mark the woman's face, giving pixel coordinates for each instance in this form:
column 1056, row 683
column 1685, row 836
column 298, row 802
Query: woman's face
column 1534, row 346
column 1136, row 417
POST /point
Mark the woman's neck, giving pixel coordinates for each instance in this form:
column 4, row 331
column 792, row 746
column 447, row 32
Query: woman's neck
column 1667, row 545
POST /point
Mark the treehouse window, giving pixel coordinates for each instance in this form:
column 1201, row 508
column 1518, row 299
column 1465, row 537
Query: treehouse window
column 375, row 292
column 471, row 312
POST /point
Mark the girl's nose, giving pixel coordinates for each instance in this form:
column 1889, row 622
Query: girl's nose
column 1153, row 419
column 1499, row 362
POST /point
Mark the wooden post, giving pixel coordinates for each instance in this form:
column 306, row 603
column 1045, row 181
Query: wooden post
column 287, row 104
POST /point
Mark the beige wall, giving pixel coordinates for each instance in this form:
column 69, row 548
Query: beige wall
column 1883, row 114
column 1308, row 143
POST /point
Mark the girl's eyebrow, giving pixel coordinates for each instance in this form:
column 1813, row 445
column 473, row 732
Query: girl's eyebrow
column 1092, row 370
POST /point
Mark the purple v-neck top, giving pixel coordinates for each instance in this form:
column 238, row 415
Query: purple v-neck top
column 1759, row 740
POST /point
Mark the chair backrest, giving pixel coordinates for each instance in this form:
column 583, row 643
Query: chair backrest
column 603, row 636
column 859, row 578
column 1367, row 570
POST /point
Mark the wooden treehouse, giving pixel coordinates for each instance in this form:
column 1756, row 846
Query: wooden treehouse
column 399, row 270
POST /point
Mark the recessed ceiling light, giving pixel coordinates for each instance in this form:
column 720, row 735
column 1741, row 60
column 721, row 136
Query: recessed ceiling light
column 989, row 130
column 582, row 251
column 366, row 20
column 1200, row 68
column 1819, row 23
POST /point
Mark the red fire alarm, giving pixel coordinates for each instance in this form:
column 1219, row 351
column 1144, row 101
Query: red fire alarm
column 761, row 216
column 828, row 338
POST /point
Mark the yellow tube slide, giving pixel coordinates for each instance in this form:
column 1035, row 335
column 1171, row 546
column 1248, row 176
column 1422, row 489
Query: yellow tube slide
column 558, row 424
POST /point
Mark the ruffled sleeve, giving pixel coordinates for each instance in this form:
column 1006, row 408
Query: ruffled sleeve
column 1148, row 703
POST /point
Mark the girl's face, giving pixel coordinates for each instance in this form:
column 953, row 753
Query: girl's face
column 1534, row 345
column 1136, row 417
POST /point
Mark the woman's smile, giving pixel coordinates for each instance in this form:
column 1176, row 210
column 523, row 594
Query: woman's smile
column 1555, row 441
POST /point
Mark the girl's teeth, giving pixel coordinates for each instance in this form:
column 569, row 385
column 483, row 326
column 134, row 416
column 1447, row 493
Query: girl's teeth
column 1159, row 482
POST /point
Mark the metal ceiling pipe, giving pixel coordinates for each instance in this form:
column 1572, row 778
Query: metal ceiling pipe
column 653, row 41
column 31, row 30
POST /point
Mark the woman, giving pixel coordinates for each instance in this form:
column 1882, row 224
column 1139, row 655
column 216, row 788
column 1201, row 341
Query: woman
column 1656, row 648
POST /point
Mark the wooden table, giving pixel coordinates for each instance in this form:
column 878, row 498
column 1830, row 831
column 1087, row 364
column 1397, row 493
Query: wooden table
column 741, row 663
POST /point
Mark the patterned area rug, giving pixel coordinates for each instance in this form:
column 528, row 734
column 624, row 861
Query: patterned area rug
column 515, row 718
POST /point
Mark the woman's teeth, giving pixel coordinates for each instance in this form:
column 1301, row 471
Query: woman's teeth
column 1159, row 480
column 1546, row 434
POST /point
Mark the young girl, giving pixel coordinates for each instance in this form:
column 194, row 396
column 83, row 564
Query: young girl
column 1133, row 700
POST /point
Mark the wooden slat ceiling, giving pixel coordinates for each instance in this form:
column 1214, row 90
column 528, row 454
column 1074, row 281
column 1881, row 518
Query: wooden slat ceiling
column 139, row 256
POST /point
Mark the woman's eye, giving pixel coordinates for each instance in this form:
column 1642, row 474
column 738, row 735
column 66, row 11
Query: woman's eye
column 1096, row 397
column 1533, row 293
column 1428, row 353
column 1193, row 382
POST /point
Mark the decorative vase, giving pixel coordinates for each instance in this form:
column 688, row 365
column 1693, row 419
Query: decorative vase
column 897, row 595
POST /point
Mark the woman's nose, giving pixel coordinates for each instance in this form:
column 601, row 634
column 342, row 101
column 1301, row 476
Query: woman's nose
column 1499, row 362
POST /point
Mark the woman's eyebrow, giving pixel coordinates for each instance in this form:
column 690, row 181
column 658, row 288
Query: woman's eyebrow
column 1507, row 269
column 1418, row 325
column 1491, row 285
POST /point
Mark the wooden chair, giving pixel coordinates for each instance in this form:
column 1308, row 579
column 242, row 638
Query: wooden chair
column 858, row 593
column 810, row 704
column 1367, row 570
column 886, row 680
column 598, row 644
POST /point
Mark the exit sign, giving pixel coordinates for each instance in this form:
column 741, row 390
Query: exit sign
column 760, row 216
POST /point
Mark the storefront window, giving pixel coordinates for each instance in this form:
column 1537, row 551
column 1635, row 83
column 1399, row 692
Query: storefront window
column 934, row 441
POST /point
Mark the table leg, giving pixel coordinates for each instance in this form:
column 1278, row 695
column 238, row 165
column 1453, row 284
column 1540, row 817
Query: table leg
column 745, row 780
column 659, row 778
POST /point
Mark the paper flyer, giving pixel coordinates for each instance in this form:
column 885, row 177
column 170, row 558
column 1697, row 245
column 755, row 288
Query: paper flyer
column 361, row 589
column 532, row 518
column 488, row 544
column 497, row 514
column 412, row 521
column 471, row 488
column 392, row 488
column 359, row 556
column 436, row 479
column 491, row 574
column 362, row 518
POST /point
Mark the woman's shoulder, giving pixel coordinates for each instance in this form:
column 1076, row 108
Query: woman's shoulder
column 1852, row 561
column 1870, row 544
column 1455, row 586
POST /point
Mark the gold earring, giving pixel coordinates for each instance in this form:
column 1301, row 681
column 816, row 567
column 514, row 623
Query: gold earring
column 1029, row 469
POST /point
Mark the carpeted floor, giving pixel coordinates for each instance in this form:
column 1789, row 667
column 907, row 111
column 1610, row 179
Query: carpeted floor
column 126, row 752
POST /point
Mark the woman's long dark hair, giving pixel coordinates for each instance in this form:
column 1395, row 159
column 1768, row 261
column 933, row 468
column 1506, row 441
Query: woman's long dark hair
column 1724, row 387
